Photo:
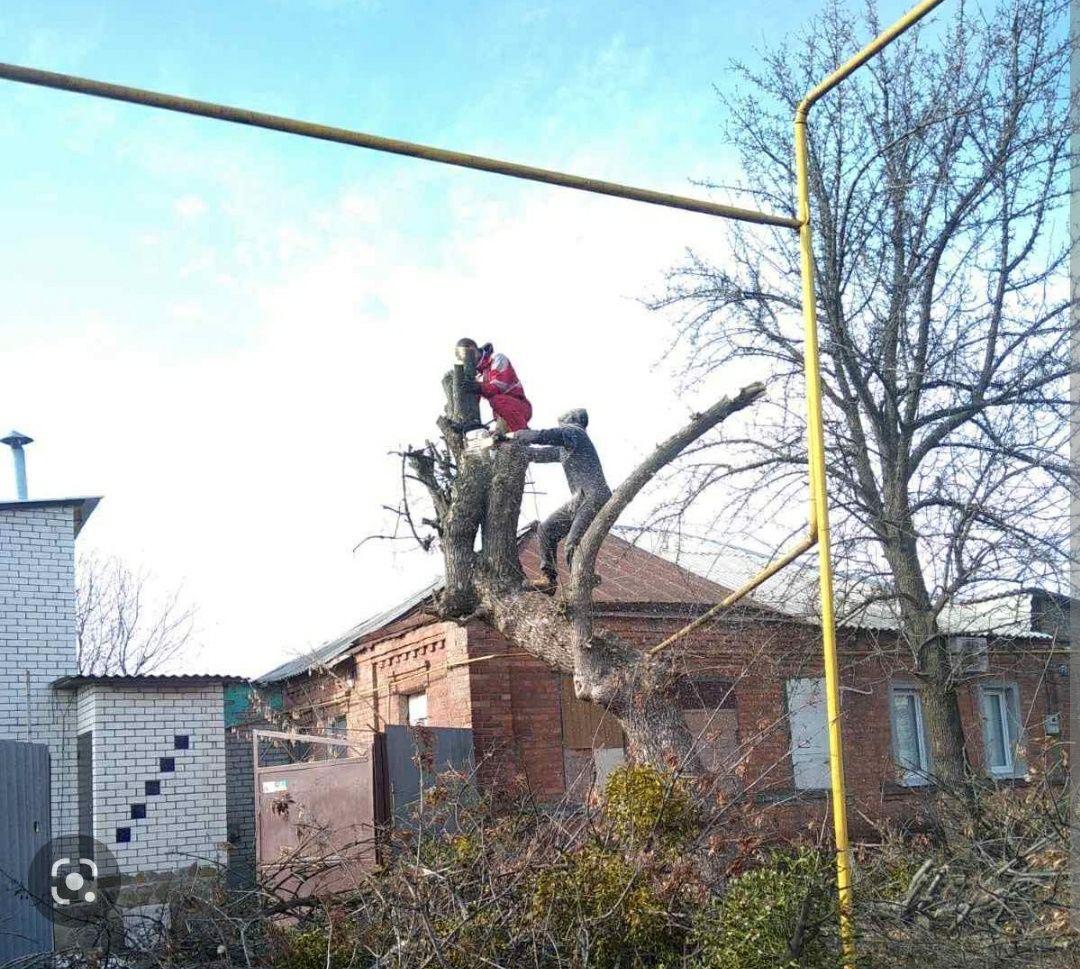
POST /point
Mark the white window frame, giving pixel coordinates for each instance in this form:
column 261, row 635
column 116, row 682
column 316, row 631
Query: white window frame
column 407, row 702
column 1008, row 695
column 921, row 775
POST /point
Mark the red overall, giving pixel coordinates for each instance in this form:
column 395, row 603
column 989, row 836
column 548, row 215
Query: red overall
column 500, row 385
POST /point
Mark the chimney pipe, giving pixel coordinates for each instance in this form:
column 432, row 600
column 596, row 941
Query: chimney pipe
column 15, row 441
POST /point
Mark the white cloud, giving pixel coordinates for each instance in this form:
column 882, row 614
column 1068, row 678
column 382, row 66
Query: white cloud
column 250, row 474
column 190, row 207
column 248, row 471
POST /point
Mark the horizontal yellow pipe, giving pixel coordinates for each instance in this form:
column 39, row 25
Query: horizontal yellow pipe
column 358, row 139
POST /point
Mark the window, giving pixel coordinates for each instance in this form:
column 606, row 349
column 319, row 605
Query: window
column 909, row 736
column 705, row 694
column 1001, row 730
column 809, row 734
column 338, row 728
column 968, row 655
column 416, row 709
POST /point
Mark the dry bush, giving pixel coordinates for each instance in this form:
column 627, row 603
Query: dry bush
column 653, row 874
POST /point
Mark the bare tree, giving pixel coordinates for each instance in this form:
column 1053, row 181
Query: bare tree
column 480, row 492
column 938, row 179
column 122, row 625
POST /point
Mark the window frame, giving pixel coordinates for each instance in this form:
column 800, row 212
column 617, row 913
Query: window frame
column 921, row 776
column 406, row 712
column 338, row 727
column 1008, row 705
column 799, row 768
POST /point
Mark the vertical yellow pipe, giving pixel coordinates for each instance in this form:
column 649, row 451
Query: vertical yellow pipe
column 820, row 512
column 819, row 508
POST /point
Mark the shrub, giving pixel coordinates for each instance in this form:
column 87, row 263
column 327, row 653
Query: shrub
column 645, row 805
column 776, row 916
column 326, row 943
column 604, row 908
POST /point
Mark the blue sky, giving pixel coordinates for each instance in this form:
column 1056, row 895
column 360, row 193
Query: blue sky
column 224, row 331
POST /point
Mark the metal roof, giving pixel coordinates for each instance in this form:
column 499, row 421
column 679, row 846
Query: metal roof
column 336, row 648
column 792, row 594
column 664, row 585
column 84, row 507
column 866, row 603
column 147, row 680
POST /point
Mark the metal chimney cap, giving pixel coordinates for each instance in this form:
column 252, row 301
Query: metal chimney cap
column 16, row 439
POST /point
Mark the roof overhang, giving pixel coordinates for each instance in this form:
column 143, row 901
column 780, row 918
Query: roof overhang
column 149, row 682
column 83, row 507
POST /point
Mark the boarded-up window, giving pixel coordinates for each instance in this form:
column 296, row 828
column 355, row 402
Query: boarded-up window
column 586, row 725
column 809, row 733
column 708, row 707
column 703, row 694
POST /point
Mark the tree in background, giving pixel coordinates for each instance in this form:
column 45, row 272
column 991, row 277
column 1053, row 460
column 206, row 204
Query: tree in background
column 123, row 626
column 939, row 175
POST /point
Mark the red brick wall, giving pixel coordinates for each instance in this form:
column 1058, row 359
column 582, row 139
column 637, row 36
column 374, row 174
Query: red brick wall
column 759, row 656
column 516, row 723
column 512, row 704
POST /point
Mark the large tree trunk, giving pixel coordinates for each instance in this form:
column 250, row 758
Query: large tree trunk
column 637, row 689
column 929, row 647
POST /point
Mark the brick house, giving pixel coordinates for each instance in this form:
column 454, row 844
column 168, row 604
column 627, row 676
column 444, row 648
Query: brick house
column 753, row 694
column 37, row 635
column 134, row 762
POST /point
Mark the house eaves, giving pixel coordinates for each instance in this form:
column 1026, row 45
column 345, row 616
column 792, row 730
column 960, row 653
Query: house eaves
column 328, row 653
column 82, row 507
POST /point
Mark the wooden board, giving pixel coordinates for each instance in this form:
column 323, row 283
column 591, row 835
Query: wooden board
column 585, row 725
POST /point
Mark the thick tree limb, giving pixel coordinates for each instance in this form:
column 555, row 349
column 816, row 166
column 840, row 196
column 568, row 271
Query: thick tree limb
column 584, row 567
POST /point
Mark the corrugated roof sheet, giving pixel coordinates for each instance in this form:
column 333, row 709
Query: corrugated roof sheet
column 152, row 679
column 337, row 647
column 865, row 604
column 631, row 575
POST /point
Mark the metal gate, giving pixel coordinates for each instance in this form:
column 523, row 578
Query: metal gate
column 414, row 758
column 315, row 821
column 24, row 830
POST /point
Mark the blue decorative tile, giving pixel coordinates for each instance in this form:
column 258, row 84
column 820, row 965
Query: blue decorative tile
column 123, row 835
column 168, row 765
column 152, row 788
column 138, row 812
column 182, row 741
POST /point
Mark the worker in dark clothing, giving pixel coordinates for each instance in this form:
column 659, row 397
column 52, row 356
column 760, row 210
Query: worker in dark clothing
column 569, row 444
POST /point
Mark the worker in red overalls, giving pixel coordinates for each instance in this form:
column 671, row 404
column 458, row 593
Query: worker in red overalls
column 498, row 383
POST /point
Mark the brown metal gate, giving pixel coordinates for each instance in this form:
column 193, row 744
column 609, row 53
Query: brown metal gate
column 316, row 821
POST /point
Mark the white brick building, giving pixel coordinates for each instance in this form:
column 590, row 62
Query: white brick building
column 154, row 787
column 37, row 635
column 136, row 762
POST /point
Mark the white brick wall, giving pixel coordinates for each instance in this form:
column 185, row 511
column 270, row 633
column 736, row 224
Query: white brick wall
column 134, row 727
column 37, row 642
